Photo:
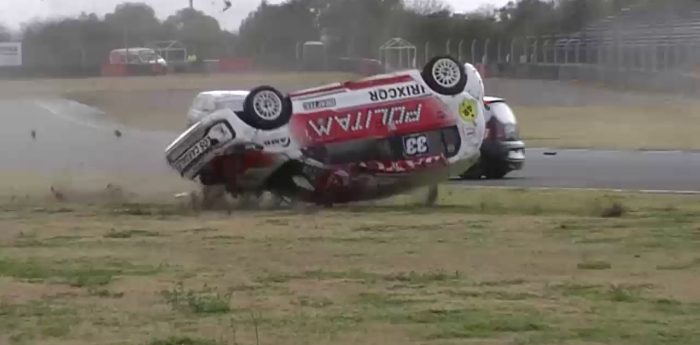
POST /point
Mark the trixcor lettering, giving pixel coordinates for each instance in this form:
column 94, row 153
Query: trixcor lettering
column 397, row 92
column 391, row 117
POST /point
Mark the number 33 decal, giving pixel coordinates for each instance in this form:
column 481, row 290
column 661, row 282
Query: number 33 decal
column 416, row 145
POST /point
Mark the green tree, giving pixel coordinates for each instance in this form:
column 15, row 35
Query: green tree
column 197, row 31
column 134, row 23
column 5, row 34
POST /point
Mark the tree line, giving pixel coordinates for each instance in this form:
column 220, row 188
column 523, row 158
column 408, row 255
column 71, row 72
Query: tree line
column 354, row 28
column 86, row 40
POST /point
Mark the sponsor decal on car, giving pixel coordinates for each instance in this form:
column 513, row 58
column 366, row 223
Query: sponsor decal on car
column 194, row 152
column 405, row 165
column 416, row 144
column 283, row 142
column 320, row 104
column 468, row 110
column 217, row 134
column 364, row 120
column 397, row 92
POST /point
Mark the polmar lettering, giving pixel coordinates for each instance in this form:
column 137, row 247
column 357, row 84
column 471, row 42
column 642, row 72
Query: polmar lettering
column 397, row 92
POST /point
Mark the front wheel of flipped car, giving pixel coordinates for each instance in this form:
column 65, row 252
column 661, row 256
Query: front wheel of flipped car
column 266, row 108
column 445, row 75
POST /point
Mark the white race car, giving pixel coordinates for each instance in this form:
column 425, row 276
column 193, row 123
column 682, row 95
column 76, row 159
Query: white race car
column 343, row 142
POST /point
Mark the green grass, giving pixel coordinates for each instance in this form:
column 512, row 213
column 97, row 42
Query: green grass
column 197, row 302
column 37, row 319
column 621, row 127
column 482, row 266
column 76, row 274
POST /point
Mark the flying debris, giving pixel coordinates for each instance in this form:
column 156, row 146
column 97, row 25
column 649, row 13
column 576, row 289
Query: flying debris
column 228, row 5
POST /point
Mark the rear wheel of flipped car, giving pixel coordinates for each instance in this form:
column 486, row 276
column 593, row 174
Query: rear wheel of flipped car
column 445, row 75
column 473, row 173
column 496, row 172
column 266, row 108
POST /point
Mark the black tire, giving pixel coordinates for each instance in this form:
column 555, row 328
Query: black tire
column 474, row 172
column 496, row 173
column 453, row 70
column 266, row 119
column 208, row 177
column 471, row 175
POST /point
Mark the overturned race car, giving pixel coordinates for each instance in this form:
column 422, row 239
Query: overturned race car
column 344, row 142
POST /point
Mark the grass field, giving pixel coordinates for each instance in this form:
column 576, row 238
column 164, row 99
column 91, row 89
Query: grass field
column 609, row 127
column 481, row 267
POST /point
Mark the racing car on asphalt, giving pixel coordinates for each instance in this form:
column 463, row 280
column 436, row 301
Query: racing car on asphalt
column 344, row 142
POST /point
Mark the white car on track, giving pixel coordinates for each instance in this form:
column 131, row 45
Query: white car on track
column 342, row 142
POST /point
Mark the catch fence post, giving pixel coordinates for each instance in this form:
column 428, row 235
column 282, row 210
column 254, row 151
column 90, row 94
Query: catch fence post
column 427, row 48
column 498, row 51
column 486, row 51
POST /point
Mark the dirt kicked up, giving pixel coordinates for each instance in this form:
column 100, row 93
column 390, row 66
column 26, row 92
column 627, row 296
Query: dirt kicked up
column 481, row 267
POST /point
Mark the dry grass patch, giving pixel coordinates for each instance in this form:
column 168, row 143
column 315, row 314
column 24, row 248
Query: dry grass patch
column 483, row 266
column 624, row 127
column 167, row 82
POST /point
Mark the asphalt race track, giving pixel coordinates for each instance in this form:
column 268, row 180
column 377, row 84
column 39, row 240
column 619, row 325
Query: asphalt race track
column 73, row 138
column 674, row 171
column 54, row 141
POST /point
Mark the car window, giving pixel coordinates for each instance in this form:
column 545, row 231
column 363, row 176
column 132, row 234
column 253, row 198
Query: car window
column 148, row 56
column 502, row 112
column 232, row 103
column 202, row 104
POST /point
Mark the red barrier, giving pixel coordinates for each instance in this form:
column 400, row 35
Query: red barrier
column 235, row 65
column 110, row 70
column 124, row 70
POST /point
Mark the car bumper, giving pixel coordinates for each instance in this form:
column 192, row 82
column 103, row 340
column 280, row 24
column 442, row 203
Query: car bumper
column 509, row 153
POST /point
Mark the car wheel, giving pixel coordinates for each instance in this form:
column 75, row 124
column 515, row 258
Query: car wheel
column 266, row 108
column 496, row 173
column 208, row 177
column 473, row 173
column 445, row 75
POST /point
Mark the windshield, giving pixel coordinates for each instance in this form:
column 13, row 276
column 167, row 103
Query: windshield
column 235, row 104
column 148, row 56
column 502, row 112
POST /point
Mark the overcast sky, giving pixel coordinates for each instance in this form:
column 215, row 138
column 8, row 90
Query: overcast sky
column 15, row 12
